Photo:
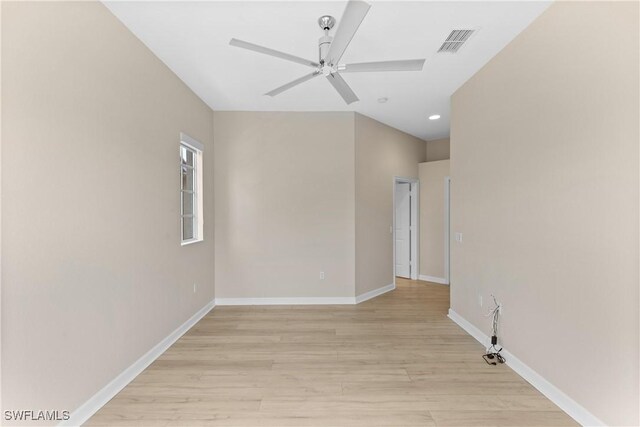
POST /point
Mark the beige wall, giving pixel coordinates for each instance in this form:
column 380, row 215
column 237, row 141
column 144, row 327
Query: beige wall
column 438, row 149
column 93, row 272
column 545, row 189
column 382, row 152
column 432, row 220
column 292, row 202
column 284, row 188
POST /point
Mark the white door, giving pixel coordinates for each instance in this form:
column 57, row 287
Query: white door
column 403, row 230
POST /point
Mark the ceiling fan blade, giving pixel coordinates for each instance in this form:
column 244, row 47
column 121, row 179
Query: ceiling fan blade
column 272, row 52
column 351, row 19
column 403, row 65
column 342, row 87
column 289, row 85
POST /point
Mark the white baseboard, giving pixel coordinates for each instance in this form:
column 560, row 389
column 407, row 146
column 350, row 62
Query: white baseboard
column 374, row 293
column 307, row 300
column 98, row 400
column 554, row 394
column 480, row 336
column 287, row 301
column 433, row 279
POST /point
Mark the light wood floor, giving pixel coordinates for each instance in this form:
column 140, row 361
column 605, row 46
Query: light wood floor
column 396, row 360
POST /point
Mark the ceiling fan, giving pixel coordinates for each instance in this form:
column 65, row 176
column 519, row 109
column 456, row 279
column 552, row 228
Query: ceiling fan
column 331, row 50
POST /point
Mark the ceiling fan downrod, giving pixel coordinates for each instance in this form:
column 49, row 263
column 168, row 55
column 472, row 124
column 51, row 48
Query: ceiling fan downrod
column 326, row 23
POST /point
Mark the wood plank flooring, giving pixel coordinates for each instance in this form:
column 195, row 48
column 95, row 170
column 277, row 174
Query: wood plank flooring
column 396, row 360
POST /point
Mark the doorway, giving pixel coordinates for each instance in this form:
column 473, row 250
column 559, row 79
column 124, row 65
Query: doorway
column 405, row 228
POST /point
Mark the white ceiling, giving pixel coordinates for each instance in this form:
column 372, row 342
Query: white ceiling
column 192, row 38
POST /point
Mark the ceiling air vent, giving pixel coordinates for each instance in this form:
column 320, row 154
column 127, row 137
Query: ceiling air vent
column 455, row 40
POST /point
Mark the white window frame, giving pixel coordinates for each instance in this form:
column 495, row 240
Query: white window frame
column 198, row 206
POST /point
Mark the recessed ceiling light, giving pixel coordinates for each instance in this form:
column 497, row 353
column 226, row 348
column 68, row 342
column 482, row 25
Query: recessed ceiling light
column 434, row 117
column 383, row 100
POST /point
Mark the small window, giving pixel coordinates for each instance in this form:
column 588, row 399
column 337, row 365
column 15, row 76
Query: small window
column 191, row 208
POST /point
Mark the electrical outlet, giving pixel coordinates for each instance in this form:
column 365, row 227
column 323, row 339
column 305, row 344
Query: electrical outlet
column 458, row 237
column 480, row 300
column 322, row 275
column 195, row 288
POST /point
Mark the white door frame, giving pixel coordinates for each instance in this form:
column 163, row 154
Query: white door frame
column 447, row 229
column 415, row 226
